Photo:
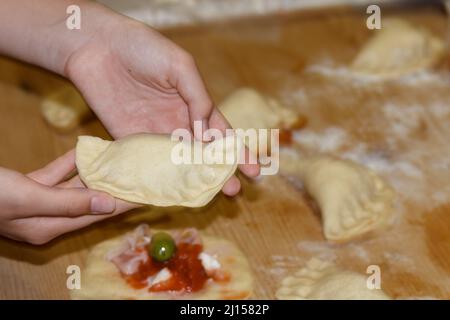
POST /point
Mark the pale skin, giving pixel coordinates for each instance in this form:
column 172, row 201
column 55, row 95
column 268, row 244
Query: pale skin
column 132, row 77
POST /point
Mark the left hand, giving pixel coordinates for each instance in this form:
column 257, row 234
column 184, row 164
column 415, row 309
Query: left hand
column 42, row 205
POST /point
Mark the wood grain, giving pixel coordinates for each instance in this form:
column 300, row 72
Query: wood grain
column 271, row 220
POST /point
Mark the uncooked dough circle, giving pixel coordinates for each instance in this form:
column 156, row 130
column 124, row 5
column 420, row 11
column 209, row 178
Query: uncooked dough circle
column 101, row 279
column 139, row 168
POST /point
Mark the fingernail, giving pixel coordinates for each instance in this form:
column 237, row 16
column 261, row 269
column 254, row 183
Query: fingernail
column 102, row 204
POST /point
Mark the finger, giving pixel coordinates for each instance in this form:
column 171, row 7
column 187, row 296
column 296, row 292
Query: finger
column 69, row 202
column 121, row 205
column 48, row 228
column 74, row 182
column 191, row 87
column 248, row 168
column 232, row 186
column 218, row 121
column 55, row 171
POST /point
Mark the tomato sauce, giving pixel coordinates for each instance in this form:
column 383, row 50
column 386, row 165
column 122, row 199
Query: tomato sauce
column 186, row 268
column 285, row 137
column 286, row 134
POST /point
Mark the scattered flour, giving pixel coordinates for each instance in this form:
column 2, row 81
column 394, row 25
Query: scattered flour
column 332, row 139
column 404, row 261
column 403, row 120
column 360, row 252
column 296, row 97
column 328, row 141
column 426, row 77
column 286, row 261
column 328, row 251
column 439, row 197
column 378, row 162
column 328, row 70
column 320, row 249
column 343, row 73
column 440, row 109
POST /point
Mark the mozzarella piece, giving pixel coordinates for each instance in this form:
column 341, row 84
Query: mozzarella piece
column 209, row 262
column 161, row 276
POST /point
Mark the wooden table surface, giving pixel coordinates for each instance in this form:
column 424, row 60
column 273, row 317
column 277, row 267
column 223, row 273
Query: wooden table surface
column 271, row 220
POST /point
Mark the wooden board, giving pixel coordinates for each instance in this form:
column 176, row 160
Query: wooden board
column 271, row 220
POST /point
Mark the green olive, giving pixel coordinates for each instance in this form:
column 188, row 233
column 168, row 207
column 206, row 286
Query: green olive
column 162, row 246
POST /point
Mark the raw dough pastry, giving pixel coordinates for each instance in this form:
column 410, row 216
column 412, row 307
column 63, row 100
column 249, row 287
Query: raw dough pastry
column 322, row 280
column 397, row 49
column 246, row 108
column 352, row 199
column 139, row 169
column 65, row 109
column 101, row 279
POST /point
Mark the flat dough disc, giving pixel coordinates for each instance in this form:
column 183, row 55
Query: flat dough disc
column 320, row 280
column 100, row 279
column 352, row 199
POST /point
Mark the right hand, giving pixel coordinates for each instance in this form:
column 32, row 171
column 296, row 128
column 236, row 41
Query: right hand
column 136, row 81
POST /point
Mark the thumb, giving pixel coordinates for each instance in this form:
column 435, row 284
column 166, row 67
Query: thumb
column 72, row 202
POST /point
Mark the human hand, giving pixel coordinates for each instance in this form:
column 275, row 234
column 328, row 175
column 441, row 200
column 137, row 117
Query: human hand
column 40, row 206
column 136, row 80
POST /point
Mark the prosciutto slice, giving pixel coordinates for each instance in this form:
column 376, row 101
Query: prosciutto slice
column 129, row 261
column 131, row 253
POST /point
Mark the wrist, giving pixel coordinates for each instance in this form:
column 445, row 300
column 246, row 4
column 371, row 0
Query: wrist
column 96, row 22
column 36, row 31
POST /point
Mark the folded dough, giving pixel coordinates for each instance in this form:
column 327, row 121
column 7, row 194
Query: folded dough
column 352, row 199
column 65, row 109
column 322, row 280
column 397, row 49
column 246, row 109
column 139, row 168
